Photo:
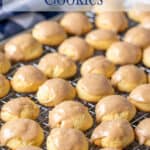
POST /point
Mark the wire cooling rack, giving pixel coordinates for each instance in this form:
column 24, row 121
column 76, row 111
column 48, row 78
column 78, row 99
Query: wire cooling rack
column 43, row 117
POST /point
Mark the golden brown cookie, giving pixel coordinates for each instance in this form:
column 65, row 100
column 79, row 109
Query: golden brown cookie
column 76, row 23
column 123, row 53
column 73, row 115
column 21, row 107
column 142, row 132
column 101, row 39
column 140, row 97
column 115, row 134
column 76, row 48
column 21, row 132
column 138, row 15
column 97, row 65
column 23, row 47
column 146, row 57
column 115, row 21
column 93, row 87
column 29, row 148
column 114, row 107
column 4, row 86
column 66, row 138
column 57, row 66
column 128, row 77
column 49, row 33
column 138, row 36
column 27, row 79
column 54, row 91
column 4, row 63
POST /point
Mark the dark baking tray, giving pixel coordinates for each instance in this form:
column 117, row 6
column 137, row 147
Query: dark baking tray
column 43, row 117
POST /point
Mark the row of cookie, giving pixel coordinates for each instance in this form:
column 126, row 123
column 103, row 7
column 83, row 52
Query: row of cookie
column 114, row 131
column 81, row 50
column 91, row 87
column 119, row 53
column 115, row 134
column 63, row 91
column 28, row 78
column 112, row 23
column 22, row 133
column 51, row 33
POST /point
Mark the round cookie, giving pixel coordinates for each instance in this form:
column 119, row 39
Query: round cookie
column 55, row 65
column 93, row 87
column 76, row 23
column 76, row 48
column 73, row 115
column 138, row 15
column 4, row 86
column 21, row 107
column 123, row 53
column 140, row 97
column 29, row 148
column 4, row 63
column 115, row 134
column 146, row 57
column 146, row 22
column 49, row 33
column 54, row 91
column 27, row 79
column 101, row 39
column 142, row 40
column 128, row 77
column 142, row 132
column 66, row 138
column 97, row 65
column 21, row 132
column 114, row 107
column 23, row 47
column 115, row 21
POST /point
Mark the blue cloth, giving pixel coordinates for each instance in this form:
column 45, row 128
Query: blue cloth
column 0, row 4
column 12, row 23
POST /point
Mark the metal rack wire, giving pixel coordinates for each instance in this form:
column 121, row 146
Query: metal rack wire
column 43, row 117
